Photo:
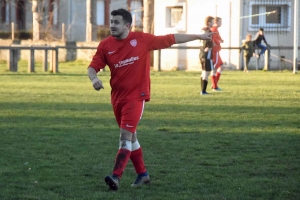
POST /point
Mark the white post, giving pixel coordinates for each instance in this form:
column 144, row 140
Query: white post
column 63, row 39
column 88, row 21
column 12, row 31
column 296, row 15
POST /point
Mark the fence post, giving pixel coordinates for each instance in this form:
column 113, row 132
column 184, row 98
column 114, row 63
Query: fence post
column 45, row 63
column 63, row 39
column 159, row 60
column 12, row 59
column 12, row 31
column 31, row 60
column 267, row 59
column 51, row 61
column 56, row 60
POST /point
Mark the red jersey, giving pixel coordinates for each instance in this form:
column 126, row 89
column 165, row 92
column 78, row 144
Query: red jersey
column 216, row 38
column 129, row 63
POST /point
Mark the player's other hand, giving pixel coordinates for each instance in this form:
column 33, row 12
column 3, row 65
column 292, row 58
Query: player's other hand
column 97, row 84
column 206, row 36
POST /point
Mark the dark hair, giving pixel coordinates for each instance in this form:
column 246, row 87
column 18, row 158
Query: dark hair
column 124, row 13
column 208, row 19
column 261, row 29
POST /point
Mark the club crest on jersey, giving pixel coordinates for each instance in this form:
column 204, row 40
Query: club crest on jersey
column 133, row 42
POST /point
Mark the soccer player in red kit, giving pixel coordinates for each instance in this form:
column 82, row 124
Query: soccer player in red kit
column 218, row 63
column 127, row 54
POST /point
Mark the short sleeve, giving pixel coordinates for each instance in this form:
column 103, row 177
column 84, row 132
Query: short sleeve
column 98, row 62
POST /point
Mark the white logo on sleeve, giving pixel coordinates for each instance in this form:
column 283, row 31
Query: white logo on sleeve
column 127, row 125
column 111, row 52
column 133, row 42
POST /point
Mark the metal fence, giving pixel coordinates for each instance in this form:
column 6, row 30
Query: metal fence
column 14, row 54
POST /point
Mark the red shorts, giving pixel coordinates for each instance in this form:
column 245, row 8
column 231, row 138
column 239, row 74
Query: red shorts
column 129, row 114
column 217, row 60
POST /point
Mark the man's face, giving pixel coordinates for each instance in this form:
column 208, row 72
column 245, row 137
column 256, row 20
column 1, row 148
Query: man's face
column 118, row 28
column 261, row 32
column 219, row 23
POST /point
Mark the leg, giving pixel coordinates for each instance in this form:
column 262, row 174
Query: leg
column 202, row 61
column 205, row 73
column 204, row 81
column 247, row 63
column 128, row 116
column 138, row 163
column 125, row 147
column 263, row 49
column 214, row 71
column 219, row 70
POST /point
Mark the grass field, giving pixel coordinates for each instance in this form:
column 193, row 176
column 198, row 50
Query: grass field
column 59, row 137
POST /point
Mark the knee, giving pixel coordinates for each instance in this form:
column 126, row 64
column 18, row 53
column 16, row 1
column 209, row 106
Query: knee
column 125, row 135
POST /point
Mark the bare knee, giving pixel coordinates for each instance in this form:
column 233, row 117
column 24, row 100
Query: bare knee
column 134, row 138
column 126, row 135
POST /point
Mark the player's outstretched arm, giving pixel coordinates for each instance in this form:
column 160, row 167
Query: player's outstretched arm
column 182, row 38
column 97, row 83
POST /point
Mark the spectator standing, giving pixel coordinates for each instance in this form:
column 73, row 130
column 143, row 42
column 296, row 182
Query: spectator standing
column 248, row 47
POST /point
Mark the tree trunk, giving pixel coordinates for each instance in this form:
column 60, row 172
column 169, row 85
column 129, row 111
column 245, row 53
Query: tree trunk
column 35, row 21
column 148, row 16
column 88, row 21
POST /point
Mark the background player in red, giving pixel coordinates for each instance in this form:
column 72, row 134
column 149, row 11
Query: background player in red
column 218, row 63
column 127, row 54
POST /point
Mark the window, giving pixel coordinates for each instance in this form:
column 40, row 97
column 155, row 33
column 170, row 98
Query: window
column 175, row 17
column 20, row 14
column 100, row 13
column 7, row 13
column 136, row 11
column 4, row 11
column 269, row 16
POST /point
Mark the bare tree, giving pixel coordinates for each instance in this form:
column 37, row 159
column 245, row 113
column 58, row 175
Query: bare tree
column 148, row 16
column 88, row 21
column 35, row 20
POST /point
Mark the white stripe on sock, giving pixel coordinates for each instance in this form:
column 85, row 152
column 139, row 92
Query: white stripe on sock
column 125, row 144
column 135, row 145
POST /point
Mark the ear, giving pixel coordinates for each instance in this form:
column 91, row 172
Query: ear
column 128, row 25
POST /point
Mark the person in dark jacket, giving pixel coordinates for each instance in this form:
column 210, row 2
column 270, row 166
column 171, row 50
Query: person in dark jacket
column 257, row 41
column 205, row 55
column 248, row 47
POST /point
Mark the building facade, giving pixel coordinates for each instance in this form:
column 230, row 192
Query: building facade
column 76, row 19
column 88, row 20
column 240, row 17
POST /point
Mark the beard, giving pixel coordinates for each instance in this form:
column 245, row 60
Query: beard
column 115, row 34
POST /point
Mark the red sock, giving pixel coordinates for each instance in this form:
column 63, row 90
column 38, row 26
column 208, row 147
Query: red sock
column 121, row 161
column 213, row 81
column 138, row 161
column 218, row 76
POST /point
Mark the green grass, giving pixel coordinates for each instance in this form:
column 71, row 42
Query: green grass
column 59, row 137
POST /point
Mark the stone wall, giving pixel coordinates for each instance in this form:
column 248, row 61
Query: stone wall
column 63, row 53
